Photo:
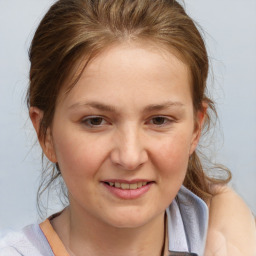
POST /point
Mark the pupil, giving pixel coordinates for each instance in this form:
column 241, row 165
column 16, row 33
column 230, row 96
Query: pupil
column 96, row 121
column 158, row 120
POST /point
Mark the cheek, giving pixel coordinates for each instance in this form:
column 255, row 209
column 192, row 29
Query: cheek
column 77, row 155
column 171, row 161
column 172, row 154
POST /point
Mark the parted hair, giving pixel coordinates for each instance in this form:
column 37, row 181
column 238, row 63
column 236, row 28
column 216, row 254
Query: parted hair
column 74, row 29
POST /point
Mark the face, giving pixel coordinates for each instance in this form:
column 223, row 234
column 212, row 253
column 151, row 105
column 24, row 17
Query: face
column 123, row 135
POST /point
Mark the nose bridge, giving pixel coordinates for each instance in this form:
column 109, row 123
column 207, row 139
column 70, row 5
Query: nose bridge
column 130, row 141
column 129, row 151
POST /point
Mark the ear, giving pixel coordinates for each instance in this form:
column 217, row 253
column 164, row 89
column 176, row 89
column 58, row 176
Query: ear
column 36, row 116
column 199, row 122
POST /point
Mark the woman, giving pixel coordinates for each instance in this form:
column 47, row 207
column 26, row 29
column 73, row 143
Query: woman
column 117, row 98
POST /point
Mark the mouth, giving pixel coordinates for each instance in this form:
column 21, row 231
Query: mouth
column 128, row 189
column 127, row 185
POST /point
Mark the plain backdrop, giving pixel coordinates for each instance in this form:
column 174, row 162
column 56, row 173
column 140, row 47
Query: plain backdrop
column 230, row 34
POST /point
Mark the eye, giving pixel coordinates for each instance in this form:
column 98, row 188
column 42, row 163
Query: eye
column 94, row 121
column 160, row 121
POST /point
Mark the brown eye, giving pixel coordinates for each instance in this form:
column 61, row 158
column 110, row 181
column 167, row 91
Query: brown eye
column 159, row 120
column 94, row 121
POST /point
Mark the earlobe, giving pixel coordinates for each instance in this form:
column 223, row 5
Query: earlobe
column 199, row 122
column 46, row 142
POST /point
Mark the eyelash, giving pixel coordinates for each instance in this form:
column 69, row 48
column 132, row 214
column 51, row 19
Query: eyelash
column 102, row 121
column 87, row 121
column 166, row 120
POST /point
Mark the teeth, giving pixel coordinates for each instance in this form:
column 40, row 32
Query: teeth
column 117, row 185
column 125, row 186
column 128, row 186
column 133, row 186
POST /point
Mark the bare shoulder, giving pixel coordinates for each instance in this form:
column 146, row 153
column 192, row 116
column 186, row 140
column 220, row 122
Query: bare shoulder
column 232, row 229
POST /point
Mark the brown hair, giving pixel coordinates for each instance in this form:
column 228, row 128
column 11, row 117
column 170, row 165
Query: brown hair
column 75, row 28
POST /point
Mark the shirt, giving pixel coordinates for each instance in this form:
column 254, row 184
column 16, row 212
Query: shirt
column 187, row 222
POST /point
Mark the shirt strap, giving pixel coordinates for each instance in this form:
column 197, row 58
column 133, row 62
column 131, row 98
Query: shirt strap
column 53, row 239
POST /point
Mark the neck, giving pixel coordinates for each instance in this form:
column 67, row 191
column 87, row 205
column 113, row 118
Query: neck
column 85, row 235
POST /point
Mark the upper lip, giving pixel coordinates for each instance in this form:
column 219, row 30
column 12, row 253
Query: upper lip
column 127, row 181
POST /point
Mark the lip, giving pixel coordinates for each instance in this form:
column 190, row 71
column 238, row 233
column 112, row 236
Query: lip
column 128, row 194
column 127, row 181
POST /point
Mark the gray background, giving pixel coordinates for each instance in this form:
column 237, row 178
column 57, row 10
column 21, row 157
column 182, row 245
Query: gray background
column 230, row 27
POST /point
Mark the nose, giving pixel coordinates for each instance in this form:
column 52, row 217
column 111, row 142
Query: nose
column 129, row 151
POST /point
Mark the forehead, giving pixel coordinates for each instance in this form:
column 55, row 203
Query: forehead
column 139, row 68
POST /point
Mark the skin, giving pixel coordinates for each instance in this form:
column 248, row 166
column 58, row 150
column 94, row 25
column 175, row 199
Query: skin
column 145, row 129
column 232, row 227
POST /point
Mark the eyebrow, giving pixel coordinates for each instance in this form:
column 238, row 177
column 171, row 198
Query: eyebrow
column 109, row 108
column 163, row 106
column 96, row 105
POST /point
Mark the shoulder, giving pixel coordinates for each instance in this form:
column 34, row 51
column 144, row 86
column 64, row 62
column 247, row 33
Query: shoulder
column 9, row 251
column 232, row 229
column 30, row 241
column 8, row 243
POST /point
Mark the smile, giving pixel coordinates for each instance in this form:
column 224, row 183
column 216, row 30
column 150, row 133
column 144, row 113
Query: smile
column 127, row 186
column 127, row 189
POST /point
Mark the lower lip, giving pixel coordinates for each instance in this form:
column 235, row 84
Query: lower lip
column 128, row 193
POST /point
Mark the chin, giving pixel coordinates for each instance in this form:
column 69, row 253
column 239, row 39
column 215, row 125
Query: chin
column 127, row 223
column 129, row 219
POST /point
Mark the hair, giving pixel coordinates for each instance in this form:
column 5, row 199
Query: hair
column 72, row 29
